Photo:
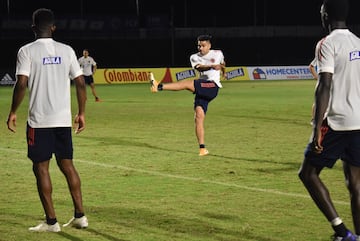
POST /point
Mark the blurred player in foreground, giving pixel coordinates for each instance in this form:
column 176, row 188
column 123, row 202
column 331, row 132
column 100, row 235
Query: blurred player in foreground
column 45, row 67
column 211, row 65
column 336, row 130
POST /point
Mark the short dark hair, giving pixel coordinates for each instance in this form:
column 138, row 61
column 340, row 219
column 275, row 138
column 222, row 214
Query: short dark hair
column 204, row 37
column 337, row 9
column 43, row 18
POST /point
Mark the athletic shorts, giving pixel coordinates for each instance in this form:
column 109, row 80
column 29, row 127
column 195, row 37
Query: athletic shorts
column 344, row 145
column 205, row 91
column 89, row 79
column 44, row 142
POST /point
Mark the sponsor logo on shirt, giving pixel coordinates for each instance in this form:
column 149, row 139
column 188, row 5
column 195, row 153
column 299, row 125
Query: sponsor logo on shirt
column 51, row 60
column 354, row 55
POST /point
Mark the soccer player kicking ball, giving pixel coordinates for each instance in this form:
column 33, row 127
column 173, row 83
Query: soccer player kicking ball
column 211, row 65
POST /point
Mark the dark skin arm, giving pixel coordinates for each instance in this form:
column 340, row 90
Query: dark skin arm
column 322, row 95
column 18, row 96
column 81, row 99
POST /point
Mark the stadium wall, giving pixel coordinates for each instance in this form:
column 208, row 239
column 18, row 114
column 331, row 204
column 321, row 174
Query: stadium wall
column 119, row 53
column 159, row 47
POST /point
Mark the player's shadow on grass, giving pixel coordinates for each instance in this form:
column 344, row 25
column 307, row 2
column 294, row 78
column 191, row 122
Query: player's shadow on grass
column 93, row 231
column 283, row 166
column 106, row 236
column 69, row 236
column 128, row 142
column 277, row 120
column 194, row 227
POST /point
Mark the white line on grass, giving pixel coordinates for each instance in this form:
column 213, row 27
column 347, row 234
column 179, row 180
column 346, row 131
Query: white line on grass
column 155, row 173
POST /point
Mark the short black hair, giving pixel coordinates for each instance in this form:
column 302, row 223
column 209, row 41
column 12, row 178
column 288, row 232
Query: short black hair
column 337, row 9
column 204, row 37
column 43, row 18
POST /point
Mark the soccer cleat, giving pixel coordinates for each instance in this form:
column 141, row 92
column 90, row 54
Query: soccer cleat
column 44, row 227
column 203, row 152
column 154, row 83
column 97, row 99
column 349, row 237
column 78, row 222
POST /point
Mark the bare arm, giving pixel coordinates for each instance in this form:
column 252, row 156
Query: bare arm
column 18, row 96
column 201, row 67
column 81, row 99
column 322, row 95
column 223, row 69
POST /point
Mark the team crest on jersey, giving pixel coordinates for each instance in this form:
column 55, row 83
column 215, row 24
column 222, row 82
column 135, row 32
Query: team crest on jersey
column 51, row 60
column 354, row 55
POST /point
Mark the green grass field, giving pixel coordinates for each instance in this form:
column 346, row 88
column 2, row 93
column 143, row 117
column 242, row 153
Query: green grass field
column 143, row 180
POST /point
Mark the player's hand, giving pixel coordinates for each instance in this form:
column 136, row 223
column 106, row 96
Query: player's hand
column 316, row 144
column 317, row 148
column 216, row 66
column 79, row 123
column 11, row 122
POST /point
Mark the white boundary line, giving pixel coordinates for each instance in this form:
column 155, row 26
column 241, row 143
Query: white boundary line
column 155, row 173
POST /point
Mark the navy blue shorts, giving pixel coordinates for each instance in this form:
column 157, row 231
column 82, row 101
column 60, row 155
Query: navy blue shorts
column 89, row 79
column 205, row 91
column 344, row 145
column 43, row 142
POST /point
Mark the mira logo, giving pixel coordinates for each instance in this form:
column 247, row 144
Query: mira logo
column 354, row 55
column 51, row 60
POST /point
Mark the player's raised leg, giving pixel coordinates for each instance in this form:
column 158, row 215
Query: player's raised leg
column 175, row 86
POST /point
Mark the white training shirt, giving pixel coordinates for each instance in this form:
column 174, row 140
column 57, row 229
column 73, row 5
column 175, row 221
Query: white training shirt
column 87, row 65
column 49, row 65
column 339, row 54
column 213, row 57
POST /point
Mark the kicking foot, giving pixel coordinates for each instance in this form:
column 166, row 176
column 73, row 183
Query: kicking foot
column 154, row 83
